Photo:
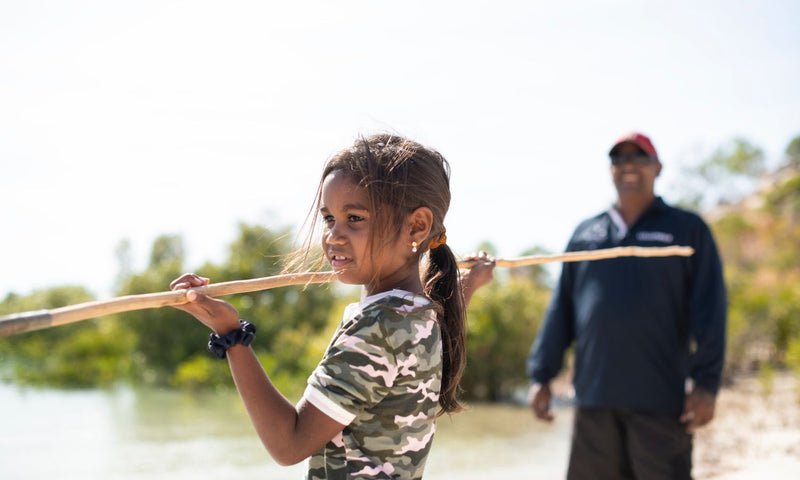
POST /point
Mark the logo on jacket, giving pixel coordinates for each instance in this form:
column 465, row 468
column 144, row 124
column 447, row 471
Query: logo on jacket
column 662, row 237
column 596, row 232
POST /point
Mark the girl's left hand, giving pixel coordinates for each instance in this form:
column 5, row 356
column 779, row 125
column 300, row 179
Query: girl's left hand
column 216, row 314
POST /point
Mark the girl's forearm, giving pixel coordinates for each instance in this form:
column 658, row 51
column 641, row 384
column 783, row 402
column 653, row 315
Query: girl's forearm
column 272, row 415
column 290, row 434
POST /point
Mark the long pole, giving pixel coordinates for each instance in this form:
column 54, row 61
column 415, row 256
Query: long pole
column 590, row 255
column 41, row 319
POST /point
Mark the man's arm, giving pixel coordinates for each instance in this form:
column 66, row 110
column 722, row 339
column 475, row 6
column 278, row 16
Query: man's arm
column 707, row 319
column 707, row 313
column 547, row 351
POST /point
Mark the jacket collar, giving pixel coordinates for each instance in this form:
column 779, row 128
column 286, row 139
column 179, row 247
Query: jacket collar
column 658, row 205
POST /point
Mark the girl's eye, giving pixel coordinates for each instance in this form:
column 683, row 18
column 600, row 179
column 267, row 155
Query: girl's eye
column 328, row 219
column 355, row 218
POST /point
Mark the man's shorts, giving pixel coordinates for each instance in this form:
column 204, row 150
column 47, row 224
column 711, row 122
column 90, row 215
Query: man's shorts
column 619, row 443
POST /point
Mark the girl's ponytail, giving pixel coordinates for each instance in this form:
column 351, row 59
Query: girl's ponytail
column 442, row 285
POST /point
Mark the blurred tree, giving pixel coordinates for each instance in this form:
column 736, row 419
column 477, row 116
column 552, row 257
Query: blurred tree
column 538, row 273
column 90, row 353
column 163, row 337
column 738, row 157
column 167, row 346
column 502, row 321
column 124, row 263
column 759, row 242
column 167, row 251
column 731, row 172
column 793, row 153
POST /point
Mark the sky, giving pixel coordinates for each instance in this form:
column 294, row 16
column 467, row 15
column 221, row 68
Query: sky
column 129, row 120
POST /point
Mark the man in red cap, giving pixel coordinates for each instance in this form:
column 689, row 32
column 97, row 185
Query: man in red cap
column 642, row 329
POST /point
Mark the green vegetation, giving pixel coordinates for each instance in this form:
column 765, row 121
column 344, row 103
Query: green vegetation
column 759, row 240
column 502, row 321
column 82, row 354
column 165, row 347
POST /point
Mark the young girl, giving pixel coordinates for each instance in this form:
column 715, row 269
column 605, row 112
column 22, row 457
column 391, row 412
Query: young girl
column 395, row 360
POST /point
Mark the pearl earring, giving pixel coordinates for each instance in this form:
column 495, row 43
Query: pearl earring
column 414, row 247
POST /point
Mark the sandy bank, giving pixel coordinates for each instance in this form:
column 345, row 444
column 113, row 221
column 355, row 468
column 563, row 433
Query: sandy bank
column 755, row 434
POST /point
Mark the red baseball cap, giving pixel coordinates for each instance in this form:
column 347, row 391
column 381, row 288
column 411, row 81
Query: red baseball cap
column 640, row 140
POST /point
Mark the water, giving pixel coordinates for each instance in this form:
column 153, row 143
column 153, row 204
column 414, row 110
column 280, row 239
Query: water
column 148, row 434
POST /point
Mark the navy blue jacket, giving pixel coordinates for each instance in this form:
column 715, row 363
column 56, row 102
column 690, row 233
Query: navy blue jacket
column 640, row 326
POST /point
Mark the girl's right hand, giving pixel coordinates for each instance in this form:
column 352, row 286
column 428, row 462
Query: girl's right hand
column 216, row 314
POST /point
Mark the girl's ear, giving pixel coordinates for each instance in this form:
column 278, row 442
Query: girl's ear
column 420, row 222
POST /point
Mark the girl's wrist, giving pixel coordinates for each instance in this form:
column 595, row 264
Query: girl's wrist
column 242, row 335
column 228, row 328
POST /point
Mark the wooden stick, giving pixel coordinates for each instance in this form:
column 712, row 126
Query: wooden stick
column 589, row 255
column 41, row 319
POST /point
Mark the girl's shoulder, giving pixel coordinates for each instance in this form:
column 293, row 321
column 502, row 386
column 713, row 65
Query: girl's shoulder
column 391, row 311
column 399, row 301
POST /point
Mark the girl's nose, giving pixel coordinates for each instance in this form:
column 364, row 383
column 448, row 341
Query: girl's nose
column 334, row 236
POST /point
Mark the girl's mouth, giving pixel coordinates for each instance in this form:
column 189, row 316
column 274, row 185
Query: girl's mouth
column 338, row 261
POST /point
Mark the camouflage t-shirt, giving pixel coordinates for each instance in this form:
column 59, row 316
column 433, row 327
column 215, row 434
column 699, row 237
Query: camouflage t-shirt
column 381, row 377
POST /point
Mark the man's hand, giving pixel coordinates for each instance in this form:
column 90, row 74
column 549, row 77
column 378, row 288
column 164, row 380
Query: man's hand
column 698, row 409
column 479, row 275
column 539, row 397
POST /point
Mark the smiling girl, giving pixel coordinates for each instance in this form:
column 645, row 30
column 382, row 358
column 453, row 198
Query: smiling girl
column 395, row 360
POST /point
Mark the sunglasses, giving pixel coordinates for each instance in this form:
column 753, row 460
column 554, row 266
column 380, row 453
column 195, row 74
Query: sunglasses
column 639, row 159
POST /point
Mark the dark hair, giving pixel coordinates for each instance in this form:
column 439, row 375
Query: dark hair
column 399, row 176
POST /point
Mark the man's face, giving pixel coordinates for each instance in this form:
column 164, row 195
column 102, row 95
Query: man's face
column 633, row 172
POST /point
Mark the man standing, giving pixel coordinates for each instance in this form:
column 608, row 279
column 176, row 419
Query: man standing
column 649, row 333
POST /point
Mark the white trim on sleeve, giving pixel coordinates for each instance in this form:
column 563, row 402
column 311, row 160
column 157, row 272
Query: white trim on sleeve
column 328, row 406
